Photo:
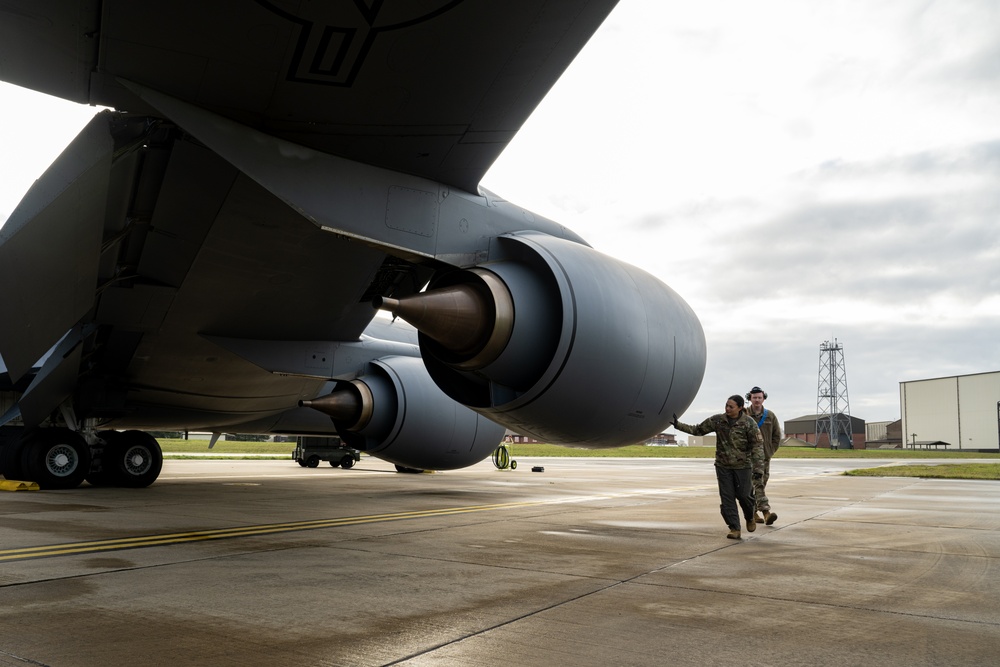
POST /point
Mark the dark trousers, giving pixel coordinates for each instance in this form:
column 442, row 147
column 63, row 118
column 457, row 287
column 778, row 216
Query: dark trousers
column 735, row 486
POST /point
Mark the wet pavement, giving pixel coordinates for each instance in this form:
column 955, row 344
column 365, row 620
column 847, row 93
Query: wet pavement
column 591, row 562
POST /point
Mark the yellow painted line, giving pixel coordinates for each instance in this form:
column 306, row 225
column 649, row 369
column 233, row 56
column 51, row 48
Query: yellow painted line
column 144, row 541
column 49, row 551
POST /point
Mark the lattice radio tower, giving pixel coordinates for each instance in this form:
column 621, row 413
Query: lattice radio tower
column 833, row 409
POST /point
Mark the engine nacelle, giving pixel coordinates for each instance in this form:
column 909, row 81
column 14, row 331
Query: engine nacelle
column 395, row 412
column 560, row 342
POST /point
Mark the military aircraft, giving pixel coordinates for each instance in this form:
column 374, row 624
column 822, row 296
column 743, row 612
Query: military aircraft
column 210, row 252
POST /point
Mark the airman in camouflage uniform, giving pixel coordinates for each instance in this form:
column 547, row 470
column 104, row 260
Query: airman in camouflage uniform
column 739, row 453
column 770, row 430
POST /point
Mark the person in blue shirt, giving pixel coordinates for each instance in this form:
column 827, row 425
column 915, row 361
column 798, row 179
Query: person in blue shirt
column 770, row 431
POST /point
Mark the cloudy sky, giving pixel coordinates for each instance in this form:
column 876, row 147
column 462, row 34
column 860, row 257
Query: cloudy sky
column 798, row 171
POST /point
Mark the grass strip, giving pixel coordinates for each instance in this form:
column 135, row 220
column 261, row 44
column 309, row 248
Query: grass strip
column 933, row 471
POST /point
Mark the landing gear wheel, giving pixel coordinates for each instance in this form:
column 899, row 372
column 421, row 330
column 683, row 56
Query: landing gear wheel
column 10, row 459
column 346, row 463
column 400, row 468
column 56, row 458
column 132, row 459
column 313, row 461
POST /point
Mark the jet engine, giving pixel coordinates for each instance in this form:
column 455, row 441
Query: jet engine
column 560, row 342
column 396, row 413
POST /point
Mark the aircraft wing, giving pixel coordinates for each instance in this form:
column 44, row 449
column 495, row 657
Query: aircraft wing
column 206, row 255
column 434, row 88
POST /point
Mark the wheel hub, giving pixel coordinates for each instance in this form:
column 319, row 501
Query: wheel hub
column 61, row 460
column 137, row 461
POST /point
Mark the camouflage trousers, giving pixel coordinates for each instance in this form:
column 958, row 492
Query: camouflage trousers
column 759, row 488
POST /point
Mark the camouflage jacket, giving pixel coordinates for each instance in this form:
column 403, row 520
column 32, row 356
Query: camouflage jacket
column 738, row 445
column 770, row 430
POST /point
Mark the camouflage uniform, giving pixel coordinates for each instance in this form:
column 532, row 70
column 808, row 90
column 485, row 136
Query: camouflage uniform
column 738, row 450
column 771, row 432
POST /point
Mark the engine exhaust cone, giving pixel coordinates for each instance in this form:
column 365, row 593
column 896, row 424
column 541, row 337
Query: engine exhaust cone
column 459, row 318
column 472, row 321
column 352, row 405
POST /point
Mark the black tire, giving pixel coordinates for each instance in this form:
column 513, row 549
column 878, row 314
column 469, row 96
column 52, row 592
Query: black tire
column 333, row 464
column 131, row 459
column 10, row 459
column 346, row 463
column 301, row 462
column 513, row 465
column 400, row 468
column 313, row 461
column 56, row 458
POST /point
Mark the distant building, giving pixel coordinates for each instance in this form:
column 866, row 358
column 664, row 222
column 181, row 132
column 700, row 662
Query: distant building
column 512, row 438
column 804, row 428
column 875, row 431
column 961, row 410
column 884, row 435
column 662, row 439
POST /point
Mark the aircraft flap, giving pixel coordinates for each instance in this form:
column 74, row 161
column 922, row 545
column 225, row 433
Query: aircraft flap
column 56, row 379
column 50, row 247
column 332, row 192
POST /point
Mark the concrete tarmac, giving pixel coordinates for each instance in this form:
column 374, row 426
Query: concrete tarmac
column 591, row 562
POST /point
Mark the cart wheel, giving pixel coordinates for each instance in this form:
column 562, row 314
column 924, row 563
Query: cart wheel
column 513, row 465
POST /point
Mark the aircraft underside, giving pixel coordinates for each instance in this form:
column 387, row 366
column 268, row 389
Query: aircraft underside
column 204, row 262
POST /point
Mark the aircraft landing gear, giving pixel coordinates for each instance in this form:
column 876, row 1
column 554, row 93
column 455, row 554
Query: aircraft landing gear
column 56, row 458
column 131, row 459
column 61, row 458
